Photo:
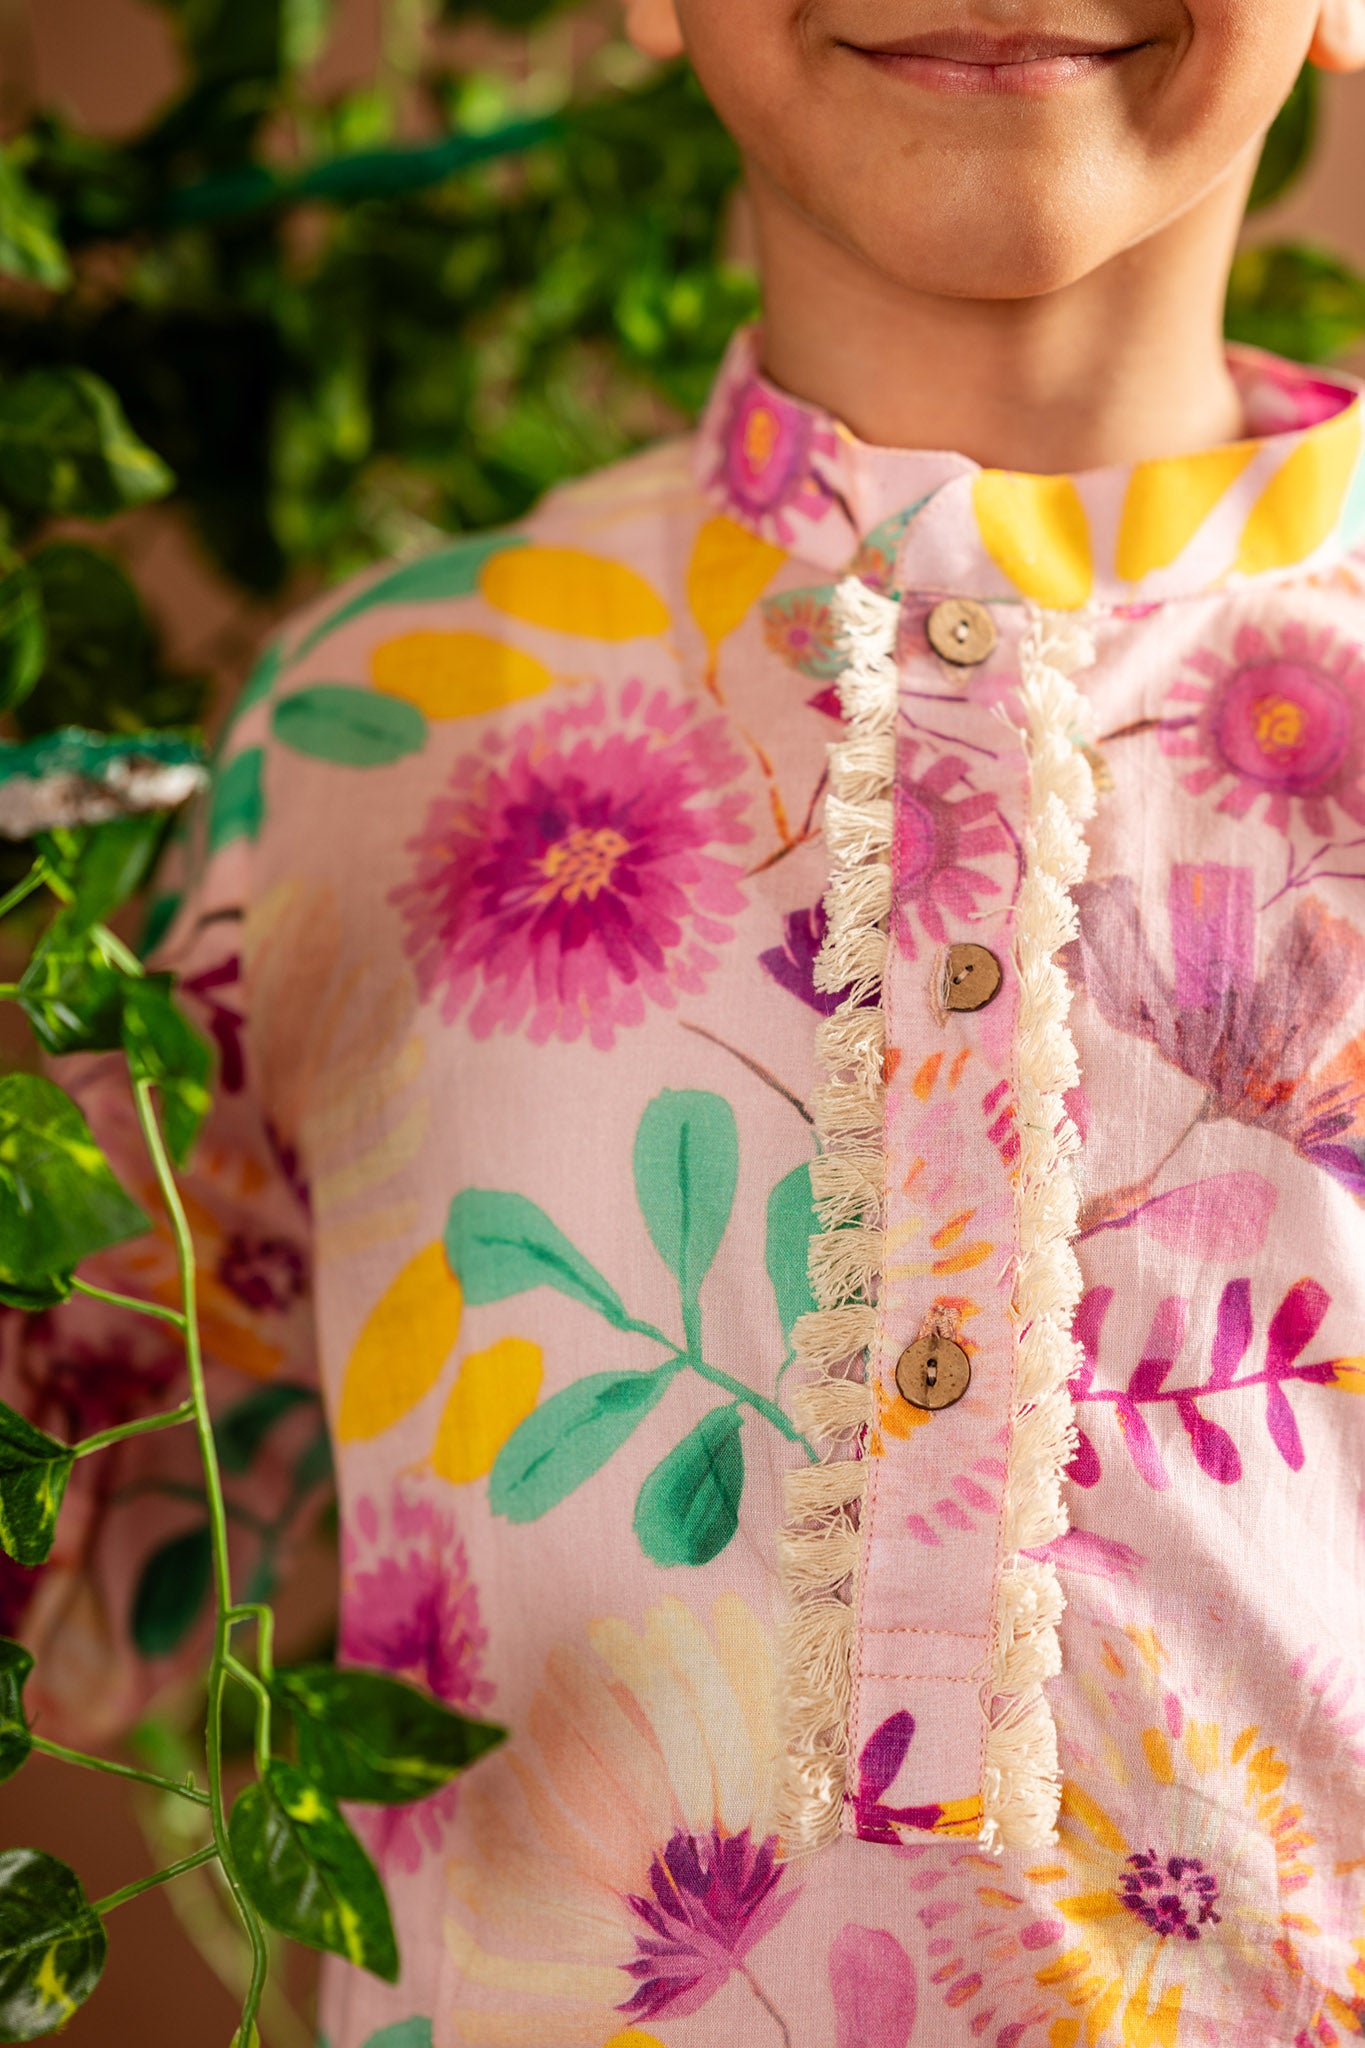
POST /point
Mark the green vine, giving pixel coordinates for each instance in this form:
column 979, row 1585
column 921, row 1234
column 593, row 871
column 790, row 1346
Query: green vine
column 287, row 1857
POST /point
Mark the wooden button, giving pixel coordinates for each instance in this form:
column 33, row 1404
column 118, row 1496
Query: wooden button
column 933, row 1373
column 961, row 632
column 971, row 976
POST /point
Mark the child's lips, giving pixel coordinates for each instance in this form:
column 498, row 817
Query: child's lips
column 959, row 62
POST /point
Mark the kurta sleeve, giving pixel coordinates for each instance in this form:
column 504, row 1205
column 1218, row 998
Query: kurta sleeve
column 124, row 1604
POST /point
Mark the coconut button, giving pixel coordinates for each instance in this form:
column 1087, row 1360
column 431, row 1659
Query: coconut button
column 961, row 632
column 933, row 1373
column 971, row 977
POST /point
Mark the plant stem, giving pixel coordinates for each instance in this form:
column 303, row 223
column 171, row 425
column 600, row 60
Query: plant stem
column 32, row 881
column 8, row 991
column 146, row 1884
column 114, row 949
column 739, row 1392
column 102, row 1763
column 131, row 1301
column 222, row 1570
column 264, row 1618
column 170, row 1420
column 236, row 1669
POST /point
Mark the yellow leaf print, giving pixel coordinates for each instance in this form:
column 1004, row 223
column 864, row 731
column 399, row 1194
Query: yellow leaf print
column 1301, row 504
column 566, row 590
column 633, row 2038
column 1035, row 529
column 728, row 573
column 495, row 1391
column 407, row 1338
column 1167, row 502
column 456, row 675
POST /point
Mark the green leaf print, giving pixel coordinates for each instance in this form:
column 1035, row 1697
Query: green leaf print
column 501, row 1244
column 686, row 1168
column 403, row 2034
column 792, row 1222
column 688, row 1508
column 568, row 1438
column 349, row 726
column 237, row 809
column 451, row 572
column 52, row 1944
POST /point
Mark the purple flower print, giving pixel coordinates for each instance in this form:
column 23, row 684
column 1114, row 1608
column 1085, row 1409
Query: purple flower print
column 1292, row 1328
column 792, row 964
column 765, row 464
column 226, row 1025
column 409, row 1607
column 263, row 1272
column 878, row 1768
column 937, row 839
column 1251, row 1042
column 1282, row 718
column 711, row 1899
column 1173, row 1895
column 567, row 885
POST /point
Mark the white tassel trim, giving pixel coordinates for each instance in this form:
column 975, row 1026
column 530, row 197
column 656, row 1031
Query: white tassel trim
column 820, row 1547
column 1022, row 1787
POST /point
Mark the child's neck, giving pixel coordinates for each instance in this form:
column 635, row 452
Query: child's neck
column 1121, row 367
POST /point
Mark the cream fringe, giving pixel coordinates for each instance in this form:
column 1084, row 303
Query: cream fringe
column 820, row 1546
column 1022, row 1787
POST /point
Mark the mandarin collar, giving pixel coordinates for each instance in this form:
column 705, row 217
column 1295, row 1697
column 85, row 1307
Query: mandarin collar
column 1288, row 499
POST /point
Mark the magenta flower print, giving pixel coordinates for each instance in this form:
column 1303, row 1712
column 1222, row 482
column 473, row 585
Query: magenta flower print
column 939, row 838
column 765, row 466
column 409, row 1608
column 567, row 885
column 711, row 1899
column 1155, row 1385
column 1282, row 718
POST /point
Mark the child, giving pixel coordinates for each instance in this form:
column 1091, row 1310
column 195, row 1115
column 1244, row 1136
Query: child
column 642, row 950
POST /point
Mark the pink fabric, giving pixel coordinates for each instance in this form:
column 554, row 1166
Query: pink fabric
column 506, row 936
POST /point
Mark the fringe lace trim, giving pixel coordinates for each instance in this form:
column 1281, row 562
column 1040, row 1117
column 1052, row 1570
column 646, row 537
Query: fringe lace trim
column 820, row 1546
column 1022, row 1788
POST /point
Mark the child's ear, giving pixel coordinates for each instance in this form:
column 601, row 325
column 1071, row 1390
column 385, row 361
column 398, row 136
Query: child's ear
column 1339, row 41
column 652, row 26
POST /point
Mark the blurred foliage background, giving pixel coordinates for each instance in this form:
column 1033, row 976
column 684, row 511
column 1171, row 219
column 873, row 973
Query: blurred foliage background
column 337, row 328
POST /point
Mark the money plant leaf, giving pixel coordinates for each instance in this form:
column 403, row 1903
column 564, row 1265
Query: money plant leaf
column 52, row 1944
column 163, row 1047
column 365, row 1735
column 59, row 1200
column 15, row 1741
column 307, row 1875
column 34, row 1469
column 66, row 447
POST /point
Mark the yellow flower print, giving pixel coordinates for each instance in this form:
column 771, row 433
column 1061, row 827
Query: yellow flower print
column 340, row 1073
column 1183, row 1905
column 617, row 1866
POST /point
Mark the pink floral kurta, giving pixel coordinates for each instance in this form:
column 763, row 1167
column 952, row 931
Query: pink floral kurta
column 507, row 930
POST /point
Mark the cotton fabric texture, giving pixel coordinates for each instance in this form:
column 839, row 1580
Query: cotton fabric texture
column 513, row 924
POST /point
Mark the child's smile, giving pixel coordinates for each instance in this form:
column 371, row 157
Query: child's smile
column 964, row 60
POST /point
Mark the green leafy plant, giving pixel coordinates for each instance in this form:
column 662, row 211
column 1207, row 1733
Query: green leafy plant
column 286, row 1853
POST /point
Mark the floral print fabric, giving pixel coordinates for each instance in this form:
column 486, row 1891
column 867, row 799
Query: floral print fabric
column 509, row 902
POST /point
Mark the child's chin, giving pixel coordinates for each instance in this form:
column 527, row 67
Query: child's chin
column 1014, row 253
